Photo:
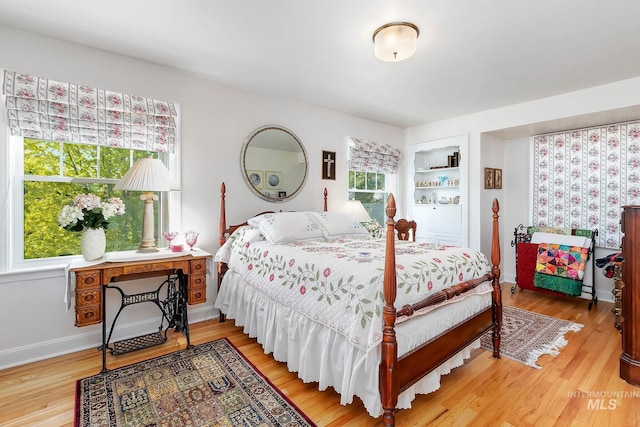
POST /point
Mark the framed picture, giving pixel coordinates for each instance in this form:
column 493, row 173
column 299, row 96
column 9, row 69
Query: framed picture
column 488, row 178
column 329, row 165
column 256, row 178
column 282, row 194
column 272, row 180
column 497, row 179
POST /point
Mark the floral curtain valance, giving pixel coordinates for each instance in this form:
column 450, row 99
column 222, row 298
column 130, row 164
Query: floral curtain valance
column 52, row 110
column 368, row 156
column 583, row 177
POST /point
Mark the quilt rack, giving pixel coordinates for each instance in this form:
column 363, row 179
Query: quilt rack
column 526, row 255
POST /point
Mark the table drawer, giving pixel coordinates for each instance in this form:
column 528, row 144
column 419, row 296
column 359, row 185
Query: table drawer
column 198, row 266
column 88, row 280
column 88, row 298
column 88, row 315
column 197, row 296
column 197, row 289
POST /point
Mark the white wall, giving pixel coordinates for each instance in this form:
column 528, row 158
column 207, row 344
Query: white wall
column 216, row 119
column 506, row 130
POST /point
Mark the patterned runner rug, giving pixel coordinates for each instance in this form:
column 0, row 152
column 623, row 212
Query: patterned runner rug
column 211, row 384
column 525, row 336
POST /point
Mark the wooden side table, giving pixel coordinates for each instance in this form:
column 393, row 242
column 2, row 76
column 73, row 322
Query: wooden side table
column 185, row 284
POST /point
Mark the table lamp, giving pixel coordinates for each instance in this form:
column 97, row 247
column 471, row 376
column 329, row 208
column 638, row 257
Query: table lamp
column 147, row 175
column 356, row 210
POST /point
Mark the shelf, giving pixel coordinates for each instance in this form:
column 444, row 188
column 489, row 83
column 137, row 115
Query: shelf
column 428, row 205
column 442, row 187
column 436, row 170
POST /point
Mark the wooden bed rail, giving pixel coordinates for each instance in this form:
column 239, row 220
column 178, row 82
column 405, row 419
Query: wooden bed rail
column 443, row 295
column 392, row 370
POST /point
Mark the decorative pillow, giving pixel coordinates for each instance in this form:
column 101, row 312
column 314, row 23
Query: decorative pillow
column 241, row 236
column 282, row 227
column 337, row 223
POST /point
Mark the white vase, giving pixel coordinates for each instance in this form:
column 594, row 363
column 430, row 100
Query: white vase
column 93, row 243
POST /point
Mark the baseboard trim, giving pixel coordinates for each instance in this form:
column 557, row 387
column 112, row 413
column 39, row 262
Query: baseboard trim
column 47, row 349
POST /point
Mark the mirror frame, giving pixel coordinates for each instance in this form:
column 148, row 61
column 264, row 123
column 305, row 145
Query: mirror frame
column 243, row 162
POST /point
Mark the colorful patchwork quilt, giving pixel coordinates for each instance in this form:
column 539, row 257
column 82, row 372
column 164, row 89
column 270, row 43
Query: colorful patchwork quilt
column 560, row 268
column 562, row 260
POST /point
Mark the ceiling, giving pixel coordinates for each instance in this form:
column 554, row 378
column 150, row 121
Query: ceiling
column 472, row 55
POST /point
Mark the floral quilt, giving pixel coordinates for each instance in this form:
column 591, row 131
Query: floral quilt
column 339, row 282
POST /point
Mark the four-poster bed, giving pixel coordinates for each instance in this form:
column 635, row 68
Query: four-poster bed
column 383, row 331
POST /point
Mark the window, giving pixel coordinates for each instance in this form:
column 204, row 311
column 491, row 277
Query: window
column 52, row 174
column 68, row 139
column 369, row 189
column 373, row 169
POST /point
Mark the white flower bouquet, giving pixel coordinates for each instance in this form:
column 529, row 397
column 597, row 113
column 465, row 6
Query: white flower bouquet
column 88, row 211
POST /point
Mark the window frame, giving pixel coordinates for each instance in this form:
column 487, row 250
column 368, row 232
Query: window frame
column 12, row 195
column 390, row 186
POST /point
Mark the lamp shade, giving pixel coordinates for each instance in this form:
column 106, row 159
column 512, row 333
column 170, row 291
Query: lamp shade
column 146, row 175
column 395, row 41
column 356, row 210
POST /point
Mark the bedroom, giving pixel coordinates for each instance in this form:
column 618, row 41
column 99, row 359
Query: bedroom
column 33, row 299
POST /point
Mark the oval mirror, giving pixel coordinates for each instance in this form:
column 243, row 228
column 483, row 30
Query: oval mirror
column 274, row 163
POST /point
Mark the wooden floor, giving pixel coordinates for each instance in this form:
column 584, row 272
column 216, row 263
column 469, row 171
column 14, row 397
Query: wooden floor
column 580, row 387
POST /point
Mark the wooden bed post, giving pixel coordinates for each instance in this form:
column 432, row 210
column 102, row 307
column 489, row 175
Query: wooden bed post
column 325, row 199
column 389, row 347
column 222, row 267
column 495, row 270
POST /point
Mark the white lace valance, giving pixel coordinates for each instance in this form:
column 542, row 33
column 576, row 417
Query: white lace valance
column 47, row 109
column 583, row 177
column 368, row 156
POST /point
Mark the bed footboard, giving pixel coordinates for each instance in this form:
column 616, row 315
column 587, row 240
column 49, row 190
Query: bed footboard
column 396, row 375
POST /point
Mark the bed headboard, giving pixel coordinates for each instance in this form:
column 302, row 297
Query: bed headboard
column 225, row 231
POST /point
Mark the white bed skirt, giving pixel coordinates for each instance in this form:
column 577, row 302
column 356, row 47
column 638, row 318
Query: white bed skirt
column 319, row 354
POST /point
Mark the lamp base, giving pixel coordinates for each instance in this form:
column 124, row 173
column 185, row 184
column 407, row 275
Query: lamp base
column 147, row 250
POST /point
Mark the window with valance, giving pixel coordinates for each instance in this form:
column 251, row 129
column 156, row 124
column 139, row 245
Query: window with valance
column 373, row 169
column 70, row 139
column 583, row 177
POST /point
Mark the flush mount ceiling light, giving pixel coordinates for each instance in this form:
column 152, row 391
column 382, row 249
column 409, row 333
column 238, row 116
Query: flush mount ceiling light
column 395, row 41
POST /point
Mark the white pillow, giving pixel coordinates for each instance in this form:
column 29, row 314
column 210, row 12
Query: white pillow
column 282, row 227
column 337, row 223
column 241, row 236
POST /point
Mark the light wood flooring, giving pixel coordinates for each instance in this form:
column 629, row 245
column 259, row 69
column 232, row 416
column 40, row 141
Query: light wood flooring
column 580, row 387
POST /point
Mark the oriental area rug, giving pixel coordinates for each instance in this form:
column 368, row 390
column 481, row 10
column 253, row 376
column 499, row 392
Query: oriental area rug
column 525, row 336
column 211, row 384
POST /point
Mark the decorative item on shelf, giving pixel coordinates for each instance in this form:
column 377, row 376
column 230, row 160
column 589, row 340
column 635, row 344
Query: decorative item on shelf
column 456, row 200
column 443, row 179
column 453, row 160
column 191, row 237
column 90, row 215
column 443, row 201
column 147, row 175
